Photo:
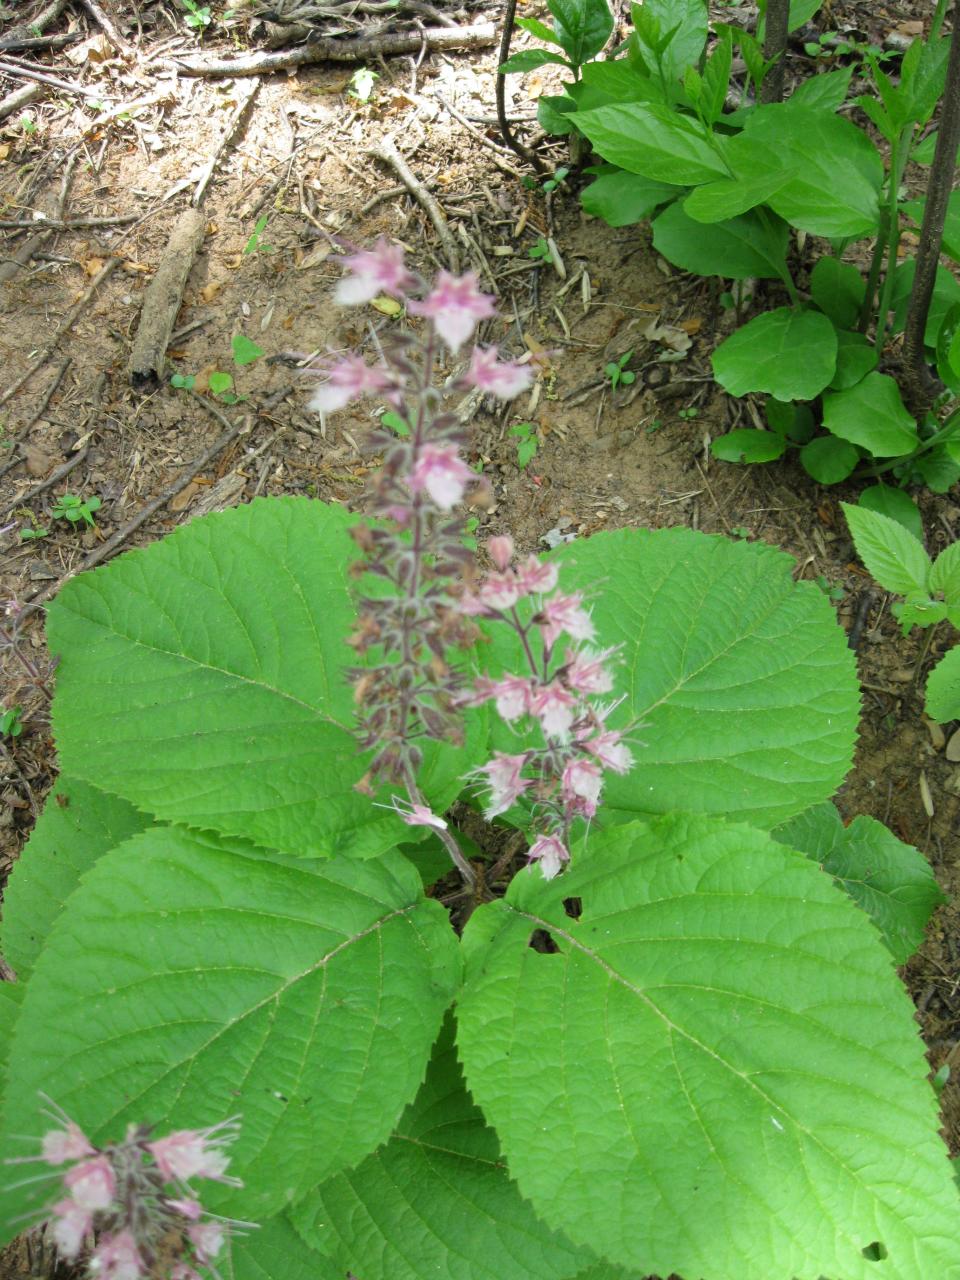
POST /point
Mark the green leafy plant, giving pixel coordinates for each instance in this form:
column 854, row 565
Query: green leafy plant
column 244, row 350
column 11, row 722
column 617, row 373
column 256, row 244
column 681, row 1017
column 539, row 250
column 75, row 509
column 528, row 442
column 896, row 557
column 362, row 84
column 198, row 16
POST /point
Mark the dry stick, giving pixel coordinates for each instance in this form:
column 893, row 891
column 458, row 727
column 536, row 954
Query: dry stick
column 104, row 22
column 72, row 224
column 41, row 409
column 14, row 44
column 53, row 478
column 65, row 324
column 333, row 49
column 482, row 137
column 920, row 388
column 17, row 99
column 36, row 242
column 234, row 125
column 27, row 73
column 162, row 300
column 41, row 21
column 388, row 153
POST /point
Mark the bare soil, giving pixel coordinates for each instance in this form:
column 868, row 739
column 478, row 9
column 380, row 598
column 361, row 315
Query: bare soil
column 638, row 455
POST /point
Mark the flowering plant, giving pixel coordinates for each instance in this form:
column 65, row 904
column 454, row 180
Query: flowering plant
column 537, row 984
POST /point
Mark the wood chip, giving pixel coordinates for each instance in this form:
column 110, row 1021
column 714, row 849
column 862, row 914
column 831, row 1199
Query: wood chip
column 953, row 747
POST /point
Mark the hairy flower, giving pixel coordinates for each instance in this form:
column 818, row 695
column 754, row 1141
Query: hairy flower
column 610, row 751
column 586, row 672
column 536, row 578
column 60, row 1145
column 418, row 815
column 500, row 551
column 441, row 471
column 372, row 271
column 92, row 1184
column 506, row 784
column 554, row 708
column 117, row 1258
column 551, row 853
column 70, row 1225
column 455, row 305
column 505, row 379
column 499, row 590
column 564, row 613
column 350, row 378
column 582, row 780
column 207, row 1239
column 191, row 1153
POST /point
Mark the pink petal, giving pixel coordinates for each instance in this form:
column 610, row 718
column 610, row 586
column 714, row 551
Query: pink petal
column 551, row 853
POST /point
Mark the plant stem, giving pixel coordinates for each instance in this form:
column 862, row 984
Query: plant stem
column 899, row 150
column 447, row 838
column 948, row 429
column 775, row 46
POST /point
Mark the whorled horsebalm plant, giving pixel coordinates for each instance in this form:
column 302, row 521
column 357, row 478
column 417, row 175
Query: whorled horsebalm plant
column 414, row 691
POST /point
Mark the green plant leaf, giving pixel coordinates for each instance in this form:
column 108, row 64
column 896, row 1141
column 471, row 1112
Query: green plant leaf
column 891, row 881
column 530, row 60
column 79, row 824
column 829, row 460
column 872, row 415
column 896, row 504
column 945, row 574
column 815, row 145
column 622, row 198
column 553, row 113
column 582, row 27
column 739, row 681
column 825, row 92
column 603, row 84
column 943, row 688
column 274, row 1252
column 219, row 383
column 938, row 469
column 950, row 244
column 738, row 249
column 749, row 446
column 687, row 21
column 653, row 140
column 946, row 295
column 794, row 421
column 436, row 1200
column 248, row 724
column 538, row 29
column 789, row 354
column 856, row 357
column 838, row 289
column 707, row 1029
column 193, row 978
column 716, row 77
column 244, row 350
column 891, row 554
column 718, row 201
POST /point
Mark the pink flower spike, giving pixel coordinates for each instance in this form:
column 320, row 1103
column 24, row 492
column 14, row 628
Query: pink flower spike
column 189, row 1209
column 372, row 271
column 350, row 378
column 551, row 853
column 70, row 1225
column 505, row 782
column 585, row 672
column 188, row 1153
column 66, row 1144
column 610, row 751
column 442, row 472
column 455, row 305
column 418, row 815
column 91, row 1184
column 536, row 578
column 582, row 779
column 207, row 1239
column 503, row 379
column 500, row 551
column 499, row 591
column 554, row 706
column 514, row 696
column 563, row 613
column 116, row 1258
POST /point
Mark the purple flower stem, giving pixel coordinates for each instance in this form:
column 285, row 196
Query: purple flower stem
column 446, row 836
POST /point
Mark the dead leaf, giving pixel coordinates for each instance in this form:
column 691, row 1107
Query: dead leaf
column 4, row 150
column 692, row 325
column 38, row 461
column 953, row 747
column 93, row 266
column 182, row 500
column 135, row 268
column 668, row 335
column 912, row 27
column 319, row 253
column 210, row 291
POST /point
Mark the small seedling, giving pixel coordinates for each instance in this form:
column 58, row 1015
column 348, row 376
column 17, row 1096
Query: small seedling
column 551, row 184
column 833, row 591
column 27, row 125
column 198, row 16
column 740, row 531
column 393, row 422
column 362, row 83
column 33, row 534
column 255, row 243
column 525, row 434
column 618, row 373
column 76, row 509
column 11, row 725
column 689, row 413
column 653, row 426
column 540, row 250
column 183, row 381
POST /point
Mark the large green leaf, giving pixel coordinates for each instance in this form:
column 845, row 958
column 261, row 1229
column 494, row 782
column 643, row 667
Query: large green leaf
column 717, row 1072
column 78, row 825
column 828, row 459
column 582, row 27
column 856, row 357
column 737, row 249
column 951, row 227
column 872, row 414
column 817, row 147
column 192, row 978
column 436, row 1200
column 789, row 354
column 945, row 574
column 890, row 552
column 943, row 688
column 651, row 139
column 728, row 197
column 738, row 679
column 274, row 1252
column 898, row 505
column 687, row 20
column 890, row 880
column 203, row 679
column 837, row 288
column 604, row 83
column 622, row 198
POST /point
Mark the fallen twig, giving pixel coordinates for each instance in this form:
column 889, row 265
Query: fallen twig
column 72, row 224
column 27, row 73
column 234, row 125
column 105, row 24
column 388, row 153
column 39, row 23
column 335, row 49
column 162, row 300
column 20, row 44
column 481, row 137
column 53, row 478
column 18, row 98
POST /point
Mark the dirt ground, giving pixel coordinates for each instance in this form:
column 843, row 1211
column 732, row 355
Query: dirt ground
column 301, row 156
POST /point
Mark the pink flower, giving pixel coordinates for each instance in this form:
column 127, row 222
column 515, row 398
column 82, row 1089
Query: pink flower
column 372, row 271
column 586, row 672
column 471, row 605
column 551, row 853
column 553, row 706
column 500, row 551
column 188, row 1153
column 536, row 578
column 442, row 472
column 563, row 613
column 207, row 1239
column 505, row 782
column 182, row 1272
column 609, row 750
column 70, row 1225
column 582, row 780
column 116, row 1258
column 456, row 306
column 350, row 378
column 66, row 1144
column 91, row 1184
column 513, row 695
column 499, row 590
column 503, row 379
column 190, row 1209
